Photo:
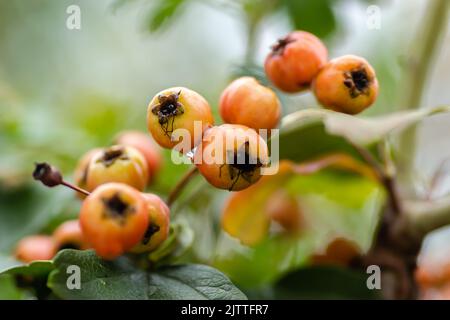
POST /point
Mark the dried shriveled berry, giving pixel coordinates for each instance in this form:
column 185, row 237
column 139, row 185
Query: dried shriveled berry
column 47, row 174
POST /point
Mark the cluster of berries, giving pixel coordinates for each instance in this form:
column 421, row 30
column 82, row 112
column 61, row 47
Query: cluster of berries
column 117, row 217
column 299, row 61
column 230, row 156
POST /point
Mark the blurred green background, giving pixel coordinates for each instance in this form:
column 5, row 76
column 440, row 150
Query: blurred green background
column 65, row 91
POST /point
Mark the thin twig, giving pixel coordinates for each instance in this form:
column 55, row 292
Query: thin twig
column 180, row 185
column 385, row 179
column 370, row 159
column 73, row 187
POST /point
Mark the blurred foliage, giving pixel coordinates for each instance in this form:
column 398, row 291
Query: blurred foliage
column 350, row 211
column 325, row 282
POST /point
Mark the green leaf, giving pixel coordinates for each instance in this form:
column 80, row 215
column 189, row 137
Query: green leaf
column 310, row 133
column 120, row 279
column 8, row 289
column 163, row 13
column 315, row 16
column 325, row 282
column 34, row 269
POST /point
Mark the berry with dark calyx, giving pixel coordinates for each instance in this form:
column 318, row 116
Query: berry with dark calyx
column 158, row 224
column 117, row 163
column 114, row 218
column 347, row 84
column 38, row 247
column 178, row 108
column 68, row 235
column 231, row 157
column 295, row 60
column 247, row 102
column 146, row 145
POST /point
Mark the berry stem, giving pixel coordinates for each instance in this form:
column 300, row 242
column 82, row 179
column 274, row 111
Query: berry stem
column 50, row 176
column 73, row 187
column 176, row 191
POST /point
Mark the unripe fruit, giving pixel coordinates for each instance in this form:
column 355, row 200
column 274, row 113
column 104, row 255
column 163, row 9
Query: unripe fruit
column 158, row 224
column 178, row 108
column 114, row 218
column 231, row 156
column 33, row 248
column 117, row 163
column 347, row 84
column 245, row 101
column 81, row 170
column 295, row 60
column 283, row 208
column 339, row 252
column 145, row 144
column 69, row 236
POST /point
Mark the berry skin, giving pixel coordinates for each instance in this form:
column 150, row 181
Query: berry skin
column 283, row 208
column 114, row 218
column 81, row 170
column 295, row 60
column 245, row 101
column 158, row 224
column 69, row 236
column 347, row 84
column 117, row 164
column 33, row 248
column 236, row 164
column 177, row 108
column 145, row 144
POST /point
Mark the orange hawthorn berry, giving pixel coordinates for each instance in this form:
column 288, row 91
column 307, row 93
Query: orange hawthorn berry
column 158, row 224
column 117, row 163
column 295, row 60
column 68, row 235
column 38, row 247
column 114, row 218
column 231, row 156
column 347, row 84
column 178, row 108
column 147, row 146
column 247, row 102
